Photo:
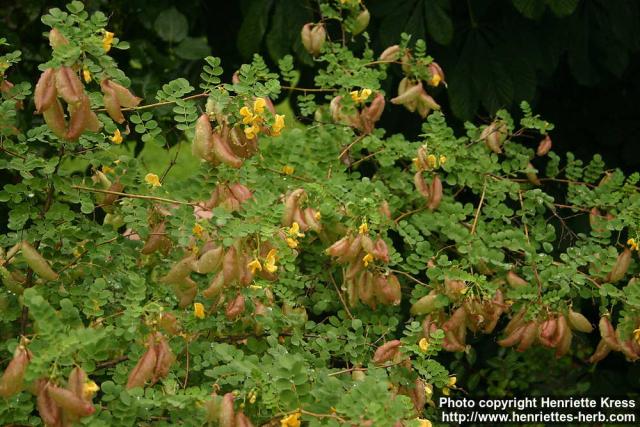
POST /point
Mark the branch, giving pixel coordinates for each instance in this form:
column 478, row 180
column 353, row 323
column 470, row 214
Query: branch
column 134, row 196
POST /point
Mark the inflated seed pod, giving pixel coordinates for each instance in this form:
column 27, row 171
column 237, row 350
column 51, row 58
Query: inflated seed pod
column 45, row 92
column 216, row 287
column 164, row 358
column 227, row 414
column 155, row 239
column 12, row 378
column 202, row 145
column 169, row 323
column 54, row 118
column 515, row 322
column 110, row 198
column 352, row 293
column 435, row 193
column 364, row 284
column 424, row 305
column 578, row 322
column 608, row 333
column 186, row 291
column 311, row 218
column 76, row 382
column 602, row 351
column 354, row 250
column 532, row 176
column 10, row 281
column 242, row 420
column 69, row 402
column 339, row 248
column 68, row 85
column 421, row 185
column 627, row 348
column 392, row 53
column 144, row 369
column 298, row 217
column 391, row 290
column 235, row 307
column 564, row 345
column 123, row 95
column 111, row 103
column 528, row 336
column 544, row 146
column 230, row 264
column 451, row 343
column 515, row 281
column 547, row 331
column 223, row 152
column 513, row 338
column 212, row 408
column 78, row 117
column 48, row 409
column 386, row 352
column 561, row 327
column 56, row 39
column 290, row 206
column 37, row 262
column 240, row 192
column 240, row 145
column 620, row 267
column 210, row 260
column 353, row 269
column 180, row 270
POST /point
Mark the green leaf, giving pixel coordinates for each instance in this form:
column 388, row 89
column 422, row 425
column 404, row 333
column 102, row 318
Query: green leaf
column 438, row 21
column 253, row 27
column 193, row 48
column 171, row 25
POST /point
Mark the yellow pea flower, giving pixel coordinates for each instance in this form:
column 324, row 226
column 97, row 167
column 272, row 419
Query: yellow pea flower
column 107, row 169
column 435, row 80
column 428, row 391
column 294, row 230
column 152, row 179
column 270, row 261
column 251, row 131
column 363, row 228
column 432, row 162
column 254, row 266
column 318, row 215
column 86, row 75
column 423, row 344
column 258, row 105
column 292, row 243
column 424, row 423
column 198, row 310
column 278, row 125
column 89, row 389
column 107, row 41
column 452, row 381
column 442, row 159
column 291, row 420
column 197, row 230
column 632, row 244
column 247, row 116
column 288, row 170
column 116, row 138
column 360, row 96
column 367, row 259
column 636, row 335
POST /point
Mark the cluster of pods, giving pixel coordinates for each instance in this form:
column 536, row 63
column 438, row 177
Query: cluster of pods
column 611, row 340
column 432, row 191
column 363, row 119
column 154, row 363
column 15, row 280
column 220, row 410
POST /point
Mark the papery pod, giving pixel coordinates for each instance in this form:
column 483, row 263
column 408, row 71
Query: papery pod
column 408, row 94
column 512, row 338
column 76, row 382
column 45, row 92
column 421, row 185
column 125, row 97
column 212, row 408
column 69, row 86
column 216, row 287
column 91, row 122
column 602, row 351
column 186, row 291
column 10, row 282
column 246, row 276
column 547, row 332
column 37, row 262
column 371, row 114
column 155, row 239
column 418, row 395
column 627, row 348
column 54, row 118
column 242, row 420
column 298, row 216
column 544, row 146
column 352, row 293
column 110, row 198
column 240, row 192
column 515, row 322
column 111, row 103
column 454, row 289
column 391, row 290
column 515, row 281
column 436, row 74
column 361, row 22
column 608, row 333
column 240, row 145
column 227, row 415
column 380, row 250
column 313, row 38
column 425, row 103
column 528, row 336
column 48, row 409
column 386, row 352
column 366, row 243
column 384, row 210
column 564, row 345
column 354, row 250
column 164, row 358
column 310, row 217
column 235, row 307
column 78, row 117
column 532, row 176
column 12, row 378
column 180, row 270
column 70, row 403
column 365, row 287
column 169, row 323
column 353, row 269
column 424, row 305
column 435, row 192
column 144, row 369
column 56, row 39
column 290, row 205
column 451, row 343
column 494, row 135
column 202, row 145
column 392, row 53
column 230, row 266
column 210, row 260
column 223, row 152
column 620, row 267
column 339, row 248
column 578, row 322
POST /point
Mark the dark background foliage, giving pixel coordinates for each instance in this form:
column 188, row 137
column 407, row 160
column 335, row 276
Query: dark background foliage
column 575, row 61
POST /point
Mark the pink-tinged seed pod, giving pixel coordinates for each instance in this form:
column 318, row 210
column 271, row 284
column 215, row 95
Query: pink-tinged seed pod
column 125, row 97
column 202, row 145
column 11, row 380
column 185, row 291
column 544, row 146
column 386, row 352
column 37, row 262
column 223, row 152
column 339, row 248
column 353, row 269
column 76, row 382
column 69, row 402
column 290, row 206
column 155, row 239
column 143, row 371
column 532, row 176
column 240, row 192
column 169, row 323
column 48, row 409
column 69, row 86
column 54, row 118
column 298, row 216
column 389, row 288
column 235, row 307
column 424, row 305
column 240, row 145
column 578, row 322
column 436, row 74
column 380, row 250
column 227, row 414
column 367, row 243
column 451, row 343
column 111, row 103
column 242, row 420
column 164, row 360
column 561, row 328
column 374, row 111
column 365, row 285
column 230, row 266
column 354, row 248
column 628, row 350
column 408, row 93
column 309, row 217
column 515, row 322
column 528, row 336
column 513, row 338
column 494, row 135
column 547, row 331
column 79, row 115
column 435, row 191
column 426, row 103
column 313, row 38
column 392, row 53
column 91, row 122
column 602, row 351
column 45, row 92
column 352, row 293
column 608, row 333
column 56, row 39
column 384, row 210
column 515, row 281
column 620, row 267
column 564, row 345
column 421, row 185
column 210, row 260
column 216, row 287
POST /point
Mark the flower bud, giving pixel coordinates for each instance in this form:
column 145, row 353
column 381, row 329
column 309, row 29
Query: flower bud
column 313, row 38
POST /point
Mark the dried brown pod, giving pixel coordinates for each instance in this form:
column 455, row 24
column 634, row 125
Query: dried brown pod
column 70, row 403
column 227, row 413
column 54, row 118
column 68, row 85
column 45, row 92
column 144, row 369
column 223, row 152
column 48, row 409
column 435, row 193
column 235, row 307
column 164, row 358
column 544, row 146
column 602, row 351
column 11, row 381
column 386, row 352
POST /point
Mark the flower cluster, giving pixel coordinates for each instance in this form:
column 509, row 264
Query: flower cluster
column 107, row 41
column 253, row 118
column 632, row 244
column 360, row 96
column 426, row 161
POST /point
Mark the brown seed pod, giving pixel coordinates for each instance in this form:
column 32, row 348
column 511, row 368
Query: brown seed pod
column 223, row 152
column 620, row 267
column 230, row 266
column 54, row 118
column 380, row 250
column 602, row 351
column 392, row 53
column 123, row 95
column 339, row 248
column 240, row 192
column 608, row 333
column 544, row 146
column 111, row 103
column 564, row 345
column 210, row 260
column 515, row 322
column 494, row 135
column 532, row 176
column 435, row 192
column 313, row 38
column 76, row 382
column 78, row 117
column 144, row 369
column 354, row 250
column 216, row 286
column 424, row 305
column 235, row 307
column 242, row 420
column 290, row 206
column 298, row 217
column 169, row 323
column 69, row 86
column 45, row 92
column 70, row 403
column 578, row 322
column 547, row 331
column 528, row 336
column 164, row 359
column 180, row 270
column 240, row 145
column 561, row 327
column 513, row 338
column 387, row 289
column 421, row 185
column 451, row 343
column 56, row 39
column 37, row 262
column 227, row 414
column 110, row 198
column 155, row 239
column 386, row 352
column 629, row 351
column 48, row 409
column 202, row 145
column 515, row 281
column 186, row 291
column 310, row 218
column 12, row 378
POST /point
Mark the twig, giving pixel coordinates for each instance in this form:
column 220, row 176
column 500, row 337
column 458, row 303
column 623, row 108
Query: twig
column 355, row 141
column 344, row 304
column 475, row 219
column 186, row 375
column 160, row 104
column 406, row 214
column 306, row 89
column 409, row 276
column 134, row 196
column 112, row 362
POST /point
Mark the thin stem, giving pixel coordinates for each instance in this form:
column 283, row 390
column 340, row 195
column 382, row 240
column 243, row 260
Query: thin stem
column 134, row 196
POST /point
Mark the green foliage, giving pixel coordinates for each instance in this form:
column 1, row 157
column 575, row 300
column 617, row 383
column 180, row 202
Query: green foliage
column 116, row 274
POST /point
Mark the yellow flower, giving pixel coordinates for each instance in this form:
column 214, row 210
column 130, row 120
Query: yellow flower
column 107, row 41
column 291, row 420
column 198, row 310
column 443, row 159
column 270, row 262
column 258, row 105
column 632, row 244
column 89, row 389
column 254, row 266
column 86, row 75
column 363, row 228
column 252, row 396
column 435, row 80
column 318, row 215
column 247, row 116
column 367, row 259
column 107, row 169
column 452, row 381
column 116, row 138
column 251, row 131
column 197, row 230
column 360, row 96
column 152, row 179
column 428, row 390
column 424, row 423
column 292, row 243
column 446, row 391
column 288, row 170
column 423, row 344
column 294, row 230
column 278, row 125
column 636, row 335
column 432, row 162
